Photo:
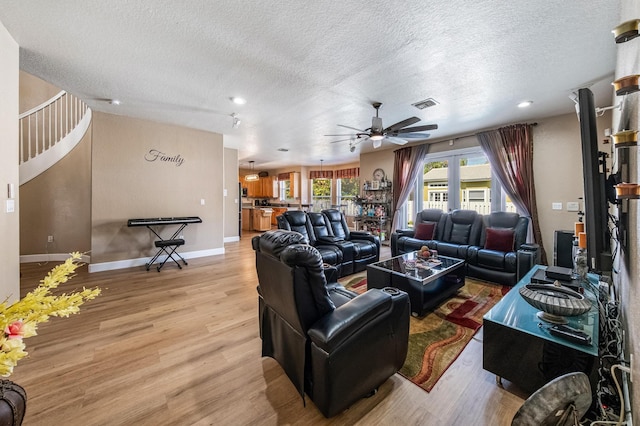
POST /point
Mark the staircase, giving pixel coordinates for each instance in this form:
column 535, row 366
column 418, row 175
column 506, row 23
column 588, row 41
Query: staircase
column 50, row 131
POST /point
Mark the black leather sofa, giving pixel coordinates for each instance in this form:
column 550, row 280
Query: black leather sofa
column 349, row 251
column 493, row 246
column 334, row 345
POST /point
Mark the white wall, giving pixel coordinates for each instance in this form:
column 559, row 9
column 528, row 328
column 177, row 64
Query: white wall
column 9, row 222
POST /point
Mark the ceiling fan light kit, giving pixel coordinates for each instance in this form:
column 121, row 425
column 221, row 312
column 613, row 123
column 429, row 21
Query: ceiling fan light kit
column 397, row 133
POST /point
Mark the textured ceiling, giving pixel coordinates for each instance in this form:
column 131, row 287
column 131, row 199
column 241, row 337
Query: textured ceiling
column 305, row 67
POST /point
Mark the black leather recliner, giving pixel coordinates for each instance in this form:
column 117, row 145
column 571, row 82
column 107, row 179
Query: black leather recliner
column 504, row 267
column 404, row 241
column 334, row 345
column 366, row 247
column 299, row 221
column 462, row 229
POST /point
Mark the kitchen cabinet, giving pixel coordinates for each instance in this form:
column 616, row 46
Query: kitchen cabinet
column 265, row 187
column 294, row 185
column 261, row 219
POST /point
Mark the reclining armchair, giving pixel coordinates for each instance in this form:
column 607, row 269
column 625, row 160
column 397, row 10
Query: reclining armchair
column 319, row 331
column 299, row 221
column 427, row 230
column 366, row 247
column 503, row 255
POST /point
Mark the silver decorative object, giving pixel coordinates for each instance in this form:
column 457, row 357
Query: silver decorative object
column 581, row 266
column 555, row 301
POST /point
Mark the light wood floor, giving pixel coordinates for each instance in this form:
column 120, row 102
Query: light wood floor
column 181, row 347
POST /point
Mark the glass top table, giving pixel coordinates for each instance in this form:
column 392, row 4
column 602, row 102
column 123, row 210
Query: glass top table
column 428, row 284
column 425, row 270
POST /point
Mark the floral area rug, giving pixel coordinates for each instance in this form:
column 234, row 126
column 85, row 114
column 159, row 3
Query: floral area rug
column 438, row 338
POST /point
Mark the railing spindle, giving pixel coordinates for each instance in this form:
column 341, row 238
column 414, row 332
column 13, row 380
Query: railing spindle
column 48, row 124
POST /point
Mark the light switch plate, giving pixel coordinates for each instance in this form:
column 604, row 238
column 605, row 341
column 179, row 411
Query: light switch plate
column 11, row 206
column 573, row 206
column 556, row 206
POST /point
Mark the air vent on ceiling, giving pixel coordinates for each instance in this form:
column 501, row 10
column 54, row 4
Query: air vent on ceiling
column 429, row 102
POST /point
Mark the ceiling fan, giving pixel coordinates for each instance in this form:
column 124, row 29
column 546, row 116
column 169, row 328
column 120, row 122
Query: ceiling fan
column 396, row 133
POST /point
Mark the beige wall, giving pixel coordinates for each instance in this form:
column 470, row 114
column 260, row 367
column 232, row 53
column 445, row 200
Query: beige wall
column 9, row 222
column 57, row 202
column 627, row 261
column 232, row 199
column 125, row 186
column 558, row 171
column 34, row 91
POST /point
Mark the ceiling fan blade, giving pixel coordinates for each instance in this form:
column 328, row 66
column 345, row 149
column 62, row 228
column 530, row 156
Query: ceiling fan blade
column 418, row 128
column 400, row 124
column 411, row 135
column 397, row 141
column 342, row 134
column 352, row 128
column 341, row 140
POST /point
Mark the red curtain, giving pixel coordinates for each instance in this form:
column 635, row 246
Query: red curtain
column 321, row 174
column 348, row 173
column 510, row 152
column 407, row 165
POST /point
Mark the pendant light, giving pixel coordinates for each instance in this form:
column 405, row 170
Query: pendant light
column 253, row 176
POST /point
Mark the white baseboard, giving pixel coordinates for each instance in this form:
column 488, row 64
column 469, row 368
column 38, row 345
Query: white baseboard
column 231, row 239
column 130, row 263
column 50, row 257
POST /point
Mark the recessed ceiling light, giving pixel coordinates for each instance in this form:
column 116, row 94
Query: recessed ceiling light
column 238, row 101
column 524, row 104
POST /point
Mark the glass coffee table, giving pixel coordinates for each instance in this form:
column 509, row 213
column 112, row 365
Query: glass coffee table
column 428, row 284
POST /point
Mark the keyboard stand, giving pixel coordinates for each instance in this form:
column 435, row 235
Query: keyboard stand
column 166, row 246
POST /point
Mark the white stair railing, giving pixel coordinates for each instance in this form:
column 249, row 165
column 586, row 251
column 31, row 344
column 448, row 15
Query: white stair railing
column 49, row 131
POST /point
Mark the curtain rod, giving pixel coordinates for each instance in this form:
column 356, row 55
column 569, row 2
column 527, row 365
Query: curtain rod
column 535, row 123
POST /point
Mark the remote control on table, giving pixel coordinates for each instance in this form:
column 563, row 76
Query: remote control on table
column 571, row 334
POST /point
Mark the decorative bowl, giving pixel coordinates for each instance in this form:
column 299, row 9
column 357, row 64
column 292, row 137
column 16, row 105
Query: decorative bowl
column 555, row 301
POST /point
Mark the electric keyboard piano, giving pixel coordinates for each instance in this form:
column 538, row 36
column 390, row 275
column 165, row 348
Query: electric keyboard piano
column 168, row 245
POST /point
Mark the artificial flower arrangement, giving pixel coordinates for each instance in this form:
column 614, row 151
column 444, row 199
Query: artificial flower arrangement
column 20, row 319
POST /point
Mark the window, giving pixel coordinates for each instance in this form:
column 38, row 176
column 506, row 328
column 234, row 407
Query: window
column 283, row 189
column 460, row 179
column 321, row 194
column 347, row 189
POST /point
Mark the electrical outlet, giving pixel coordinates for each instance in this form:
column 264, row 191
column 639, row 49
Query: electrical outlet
column 556, row 206
column 50, row 239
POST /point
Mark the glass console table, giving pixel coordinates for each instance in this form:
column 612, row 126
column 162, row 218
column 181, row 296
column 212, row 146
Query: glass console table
column 519, row 347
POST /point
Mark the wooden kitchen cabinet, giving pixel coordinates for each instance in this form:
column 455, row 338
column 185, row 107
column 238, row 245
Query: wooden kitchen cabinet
column 265, row 187
column 294, row 185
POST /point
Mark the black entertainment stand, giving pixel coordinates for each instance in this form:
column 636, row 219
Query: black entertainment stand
column 519, row 347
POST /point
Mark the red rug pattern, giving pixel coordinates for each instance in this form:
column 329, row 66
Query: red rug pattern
column 438, row 338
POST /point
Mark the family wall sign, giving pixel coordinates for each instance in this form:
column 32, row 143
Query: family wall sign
column 155, row 155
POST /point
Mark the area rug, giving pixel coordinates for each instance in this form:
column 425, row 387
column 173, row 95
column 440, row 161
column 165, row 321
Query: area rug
column 438, row 338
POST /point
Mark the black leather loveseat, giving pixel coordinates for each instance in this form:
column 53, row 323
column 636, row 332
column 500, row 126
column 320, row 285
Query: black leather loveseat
column 334, row 345
column 493, row 246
